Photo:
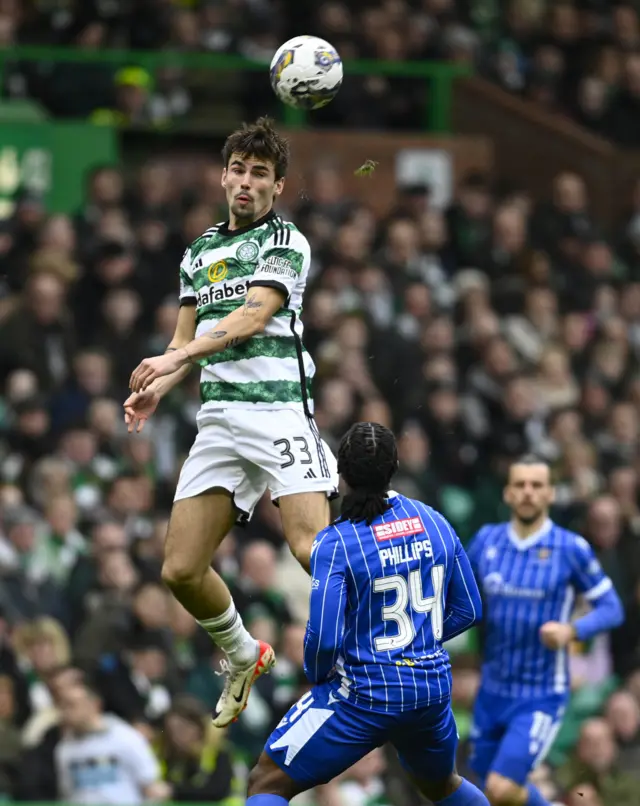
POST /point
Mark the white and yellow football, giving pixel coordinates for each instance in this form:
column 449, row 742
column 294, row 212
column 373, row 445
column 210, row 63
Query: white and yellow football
column 306, row 72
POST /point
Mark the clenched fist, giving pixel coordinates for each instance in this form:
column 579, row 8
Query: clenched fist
column 555, row 635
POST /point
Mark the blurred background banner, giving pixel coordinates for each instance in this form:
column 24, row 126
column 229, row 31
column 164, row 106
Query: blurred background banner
column 51, row 160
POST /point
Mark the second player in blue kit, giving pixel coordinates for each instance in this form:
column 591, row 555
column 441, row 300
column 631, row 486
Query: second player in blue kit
column 390, row 583
column 530, row 571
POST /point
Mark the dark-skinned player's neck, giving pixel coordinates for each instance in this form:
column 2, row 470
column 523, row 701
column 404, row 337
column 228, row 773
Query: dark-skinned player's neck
column 524, row 529
column 240, row 223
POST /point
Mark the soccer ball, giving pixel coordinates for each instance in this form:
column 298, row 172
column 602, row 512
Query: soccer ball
column 306, row 72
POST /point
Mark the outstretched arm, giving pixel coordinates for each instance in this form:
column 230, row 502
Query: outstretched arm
column 246, row 321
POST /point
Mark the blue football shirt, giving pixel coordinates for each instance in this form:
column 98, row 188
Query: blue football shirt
column 384, row 598
column 526, row 583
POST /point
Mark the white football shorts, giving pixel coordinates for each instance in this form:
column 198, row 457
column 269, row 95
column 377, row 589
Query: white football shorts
column 247, row 452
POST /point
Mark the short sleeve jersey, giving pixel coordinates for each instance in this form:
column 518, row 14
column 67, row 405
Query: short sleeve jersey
column 271, row 370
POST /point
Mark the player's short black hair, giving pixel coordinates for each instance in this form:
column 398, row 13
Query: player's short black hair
column 259, row 140
column 530, row 459
column 367, row 461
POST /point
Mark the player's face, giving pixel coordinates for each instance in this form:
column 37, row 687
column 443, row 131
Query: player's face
column 529, row 492
column 251, row 187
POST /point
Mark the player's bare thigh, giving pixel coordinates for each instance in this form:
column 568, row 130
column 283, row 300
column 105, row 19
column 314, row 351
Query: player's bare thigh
column 196, row 528
column 303, row 516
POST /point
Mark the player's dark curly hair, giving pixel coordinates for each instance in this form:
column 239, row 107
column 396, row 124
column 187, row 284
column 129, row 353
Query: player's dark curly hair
column 367, row 461
column 259, row 140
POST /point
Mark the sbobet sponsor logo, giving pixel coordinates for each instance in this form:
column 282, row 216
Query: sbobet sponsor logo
column 221, row 292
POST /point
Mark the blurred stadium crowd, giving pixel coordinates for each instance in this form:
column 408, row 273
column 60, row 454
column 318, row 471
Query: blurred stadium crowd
column 580, row 58
column 478, row 332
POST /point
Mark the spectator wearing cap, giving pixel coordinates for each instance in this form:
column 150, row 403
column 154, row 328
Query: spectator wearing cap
column 131, row 107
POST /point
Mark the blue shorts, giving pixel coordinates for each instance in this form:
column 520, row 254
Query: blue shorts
column 323, row 734
column 512, row 736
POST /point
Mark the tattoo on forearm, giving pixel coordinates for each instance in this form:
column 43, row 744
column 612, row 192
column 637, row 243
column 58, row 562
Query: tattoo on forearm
column 220, row 334
column 251, row 305
column 216, row 334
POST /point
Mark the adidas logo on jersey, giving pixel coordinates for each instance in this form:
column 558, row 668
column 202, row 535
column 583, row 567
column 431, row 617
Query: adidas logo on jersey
column 220, row 292
column 310, row 475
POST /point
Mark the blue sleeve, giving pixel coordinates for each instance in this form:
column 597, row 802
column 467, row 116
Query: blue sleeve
column 323, row 638
column 589, row 579
column 463, row 605
column 607, row 614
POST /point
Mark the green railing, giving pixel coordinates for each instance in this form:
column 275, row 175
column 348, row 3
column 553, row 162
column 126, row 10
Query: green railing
column 438, row 76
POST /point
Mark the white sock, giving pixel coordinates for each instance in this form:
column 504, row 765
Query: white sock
column 229, row 633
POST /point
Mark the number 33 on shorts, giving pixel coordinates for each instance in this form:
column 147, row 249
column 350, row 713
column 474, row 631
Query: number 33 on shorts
column 247, row 452
column 300, row 461
column 284, row 446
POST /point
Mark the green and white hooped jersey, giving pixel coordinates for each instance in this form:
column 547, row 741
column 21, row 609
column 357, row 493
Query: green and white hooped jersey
column 271, row 370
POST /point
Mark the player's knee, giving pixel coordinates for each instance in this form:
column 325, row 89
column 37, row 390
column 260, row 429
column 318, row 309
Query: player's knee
column 178, row 572
column 501, row 791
